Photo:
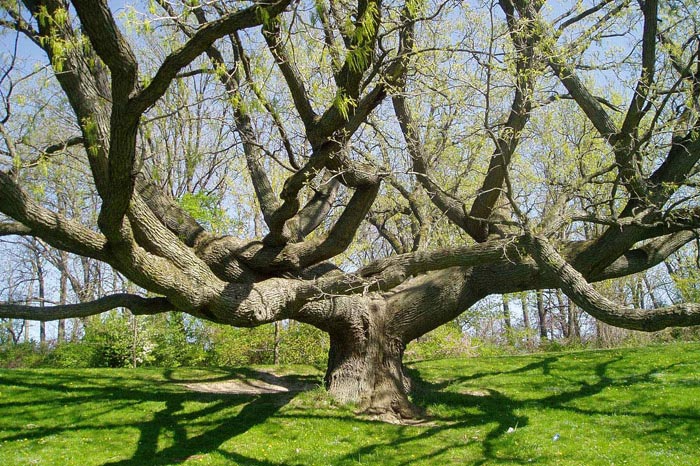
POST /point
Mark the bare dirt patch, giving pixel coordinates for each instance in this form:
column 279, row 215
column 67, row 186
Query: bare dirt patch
column 264, row 382
column 480, row 392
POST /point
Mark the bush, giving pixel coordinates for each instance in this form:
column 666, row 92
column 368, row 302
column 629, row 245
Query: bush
column 232, row 346
column 303, row 344
column 446, row 341
column 77, row 354
column 176, row 340
column 112, row 340
column 298, row 344
column 27, row 354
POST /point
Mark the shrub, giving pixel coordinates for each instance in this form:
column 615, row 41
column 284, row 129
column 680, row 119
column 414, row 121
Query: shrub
column 75, row 354
column 446, row 341
column 26, row 354
column 232, row 346
column 303, row 344
column 113, row 342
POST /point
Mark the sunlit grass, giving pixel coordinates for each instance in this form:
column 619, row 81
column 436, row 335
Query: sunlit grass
column 639, row 406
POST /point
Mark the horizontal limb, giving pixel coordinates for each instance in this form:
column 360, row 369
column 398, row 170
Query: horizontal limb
column 136, row 304
column 585, row 296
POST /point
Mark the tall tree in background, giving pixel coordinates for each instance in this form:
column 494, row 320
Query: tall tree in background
column 407, row 158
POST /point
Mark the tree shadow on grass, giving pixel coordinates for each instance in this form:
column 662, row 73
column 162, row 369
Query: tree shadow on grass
column 484, row 407
column 256, row 411
column 477, row 409
column 257, row 408
column 177, row 433
column 213, row 426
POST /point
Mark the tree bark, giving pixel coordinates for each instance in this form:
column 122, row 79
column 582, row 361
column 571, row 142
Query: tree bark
column 541, row 316
column 526, row 314
column 42, row 298
column 365, row 355
column 508, row 326
column 276, row 344
column 365, row 366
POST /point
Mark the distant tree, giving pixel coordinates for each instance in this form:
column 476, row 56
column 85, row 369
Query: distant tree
column 407, row 159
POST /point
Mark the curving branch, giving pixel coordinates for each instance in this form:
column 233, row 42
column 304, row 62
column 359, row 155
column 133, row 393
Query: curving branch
column 453, row 208
column 199, row 43
column 14, row 228
column 316, row 209
column 290, row 192
column 292, row 76
column 585, row 296
column 683, row 155
column 53, row 228
column 109, row 43
column 647, row 256
column 85, row 86
column 590, row 105
column 169, row 212
column 385, row 233
column 342, row 233
column 138, row 305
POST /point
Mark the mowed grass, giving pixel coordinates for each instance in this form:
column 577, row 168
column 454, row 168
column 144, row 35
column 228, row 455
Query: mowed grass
column 628, row 406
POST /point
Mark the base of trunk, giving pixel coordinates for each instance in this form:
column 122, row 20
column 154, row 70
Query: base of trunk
column 369, row 371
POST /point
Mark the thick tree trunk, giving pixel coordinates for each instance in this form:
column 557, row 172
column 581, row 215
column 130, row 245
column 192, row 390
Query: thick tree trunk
column 365, row 366
column 370, row 372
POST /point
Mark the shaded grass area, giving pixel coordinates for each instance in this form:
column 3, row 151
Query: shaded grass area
column 631, row 406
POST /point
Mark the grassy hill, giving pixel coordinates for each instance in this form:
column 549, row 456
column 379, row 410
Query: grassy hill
column 628, row 406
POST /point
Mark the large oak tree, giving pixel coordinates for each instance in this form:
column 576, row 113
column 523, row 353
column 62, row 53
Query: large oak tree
column 408, row 158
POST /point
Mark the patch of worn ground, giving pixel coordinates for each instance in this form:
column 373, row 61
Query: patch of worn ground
column 264, row 382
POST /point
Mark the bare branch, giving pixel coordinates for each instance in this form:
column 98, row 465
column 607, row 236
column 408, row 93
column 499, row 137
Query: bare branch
column 509, row 135
column 270, row 109
column 13, row 228
column 136, row 304
column 584, row 14
column 643, row 258
column 198, row 44
column 636, row 112
column 295, row 82
column 584, row 295
column 56, row 230
column 99, row 24
column 341, row 234
column 584, row 98
column 314, row 212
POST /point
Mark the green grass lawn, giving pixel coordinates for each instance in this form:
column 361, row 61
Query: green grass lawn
column 630, row 406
